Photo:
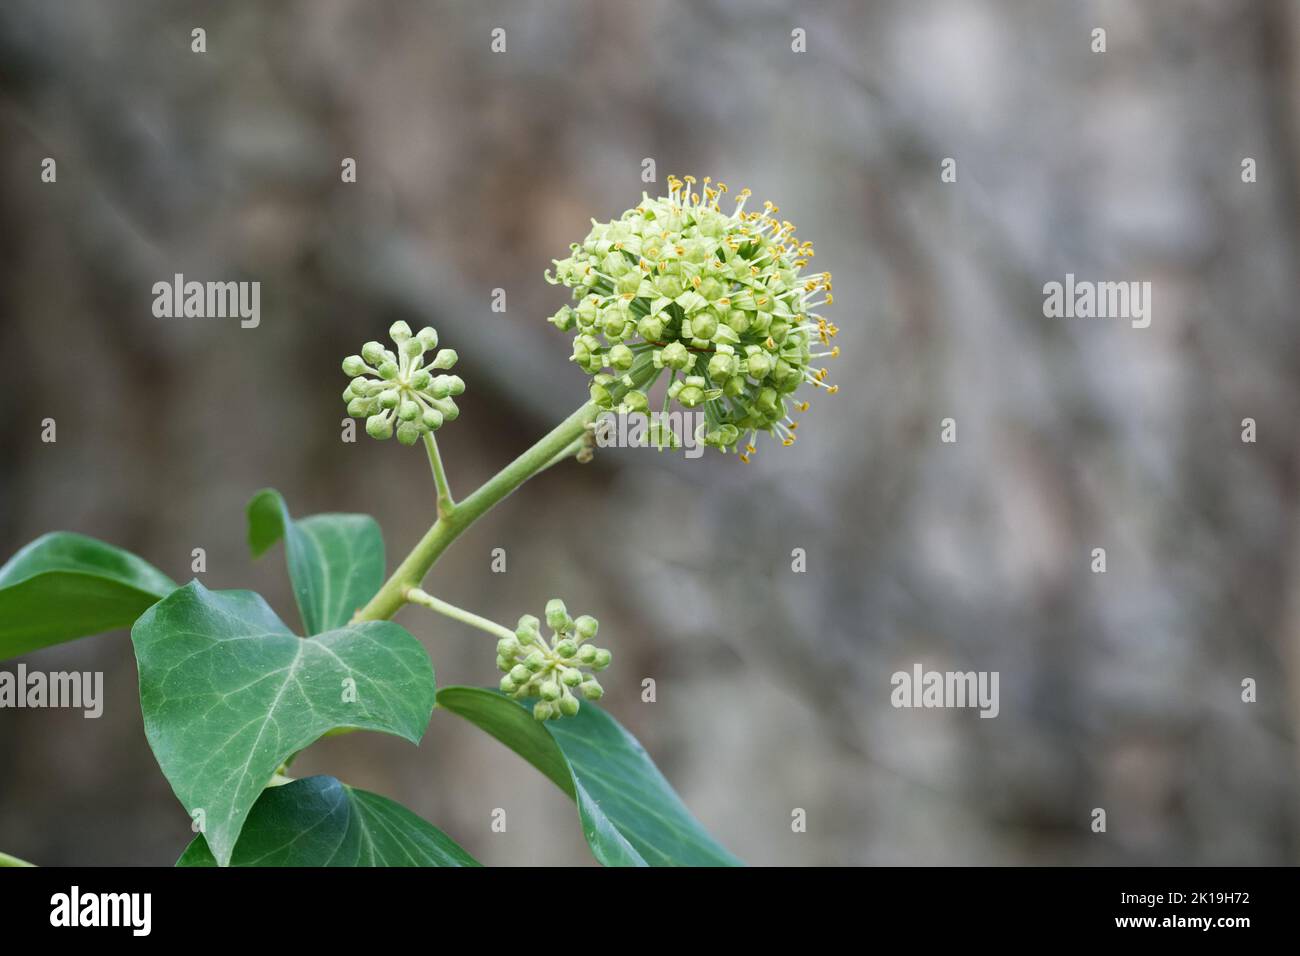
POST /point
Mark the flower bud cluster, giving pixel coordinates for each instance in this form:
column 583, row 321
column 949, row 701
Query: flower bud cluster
column 557, row 672
column 719, row 300
column 396, row 390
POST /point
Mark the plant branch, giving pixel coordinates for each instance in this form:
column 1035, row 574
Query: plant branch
column 424, row 599
column 449, row 526
column 445, row 501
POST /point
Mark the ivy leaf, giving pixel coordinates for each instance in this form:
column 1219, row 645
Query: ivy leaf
column 64, row 586
column 228, row 692
column 319, row 821
column 336, row 561
column 631, row 816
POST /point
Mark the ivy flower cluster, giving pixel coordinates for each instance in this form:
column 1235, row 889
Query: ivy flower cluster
column 556, row 672
column 720, row 300
column 397, row 391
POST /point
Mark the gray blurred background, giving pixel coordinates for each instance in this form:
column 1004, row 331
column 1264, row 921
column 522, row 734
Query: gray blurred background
column 1120, row 691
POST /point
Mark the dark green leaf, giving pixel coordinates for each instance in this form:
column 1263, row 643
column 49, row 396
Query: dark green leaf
column 228, row 692
column 630, row 814
column 319, row 821
column 336, row 562
column 63, row 586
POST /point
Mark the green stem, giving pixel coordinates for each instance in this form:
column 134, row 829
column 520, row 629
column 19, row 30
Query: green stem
column 452, row 522
column 7, row 860
column 424, row 599
column 445, row 502
column 569, row 451
column 454, row 519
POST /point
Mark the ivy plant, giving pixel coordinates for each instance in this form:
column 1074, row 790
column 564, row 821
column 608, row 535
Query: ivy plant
column 717, row 307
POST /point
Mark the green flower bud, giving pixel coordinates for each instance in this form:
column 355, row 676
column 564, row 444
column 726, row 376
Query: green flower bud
column 586, row 626
column 557, row 616
column 563, row 319
column 549, row 690
column 542, row 710
column 528, row 630
column 428, row 338
column 675, row 355
column 507, row 647
column 592, row 690
column 412, row 347
column 601, row 660
column 389, row 398
column 421, row 380
column 566, row 649
column 507, row 685
column 408, row 410
column 759, row 365
column 450, row 411
column 371, row 352
column 388, row 370
column 569, row 705
column 362, row 407
column 408, row 433
column 504, row 664
column 571, row 677
column 431, row 419
column 399, row 332
column 445, row 359
column 455, row 385
column 704, row 325
column 535, row 661
column 621, row 357
column 353, row 365
column 636, row 401
column 379, row 426
column 520, row 674
column 587, row 653
column 738, row 321
column 651, row 328
column 691, row 395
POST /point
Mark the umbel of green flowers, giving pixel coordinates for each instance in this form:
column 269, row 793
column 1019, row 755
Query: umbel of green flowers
column 719, row 300
column 556, row 672
column 396, row 390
